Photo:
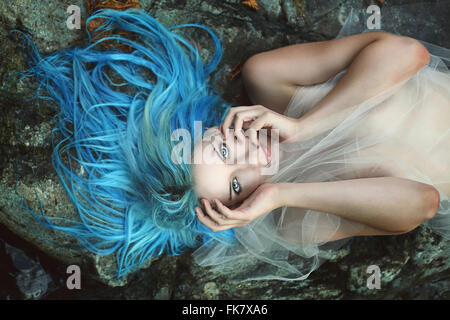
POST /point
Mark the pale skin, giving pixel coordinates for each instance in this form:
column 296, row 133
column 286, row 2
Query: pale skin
column 374, row 62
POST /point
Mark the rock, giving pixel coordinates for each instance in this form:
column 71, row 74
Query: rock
column 294, row 12
column 163, row 293
column 210, row 291
column 414, row 265
column 31, row 278
column 272, row 9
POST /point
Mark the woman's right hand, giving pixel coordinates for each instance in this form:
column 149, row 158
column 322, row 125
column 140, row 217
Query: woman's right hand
column 257, row 117
column 262, row 201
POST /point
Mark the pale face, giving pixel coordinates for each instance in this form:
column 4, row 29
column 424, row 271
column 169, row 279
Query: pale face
column 230, row 169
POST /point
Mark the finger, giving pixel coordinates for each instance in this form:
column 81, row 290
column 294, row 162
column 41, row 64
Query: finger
column 242, row 116
column 228, row 213
column 203, row 218
column 246, row 125
column 227, row 121
column 253, row 136
column 207, row 221
column 260, row 122
column 239, row 134
column 230, row 116
column 237, row 217
column 214, row 215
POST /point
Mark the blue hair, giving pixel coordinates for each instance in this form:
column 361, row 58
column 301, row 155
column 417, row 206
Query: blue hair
column 115, row 130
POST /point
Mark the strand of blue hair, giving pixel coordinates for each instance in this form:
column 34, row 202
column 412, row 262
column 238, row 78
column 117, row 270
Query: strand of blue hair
column 113, row 155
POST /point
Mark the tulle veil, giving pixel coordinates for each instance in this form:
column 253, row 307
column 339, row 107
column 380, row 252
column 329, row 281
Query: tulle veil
column 260, row 250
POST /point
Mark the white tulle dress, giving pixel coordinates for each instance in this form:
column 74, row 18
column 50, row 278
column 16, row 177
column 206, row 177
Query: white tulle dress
column 403, row 131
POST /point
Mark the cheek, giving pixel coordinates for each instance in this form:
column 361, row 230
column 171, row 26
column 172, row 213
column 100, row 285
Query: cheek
column 210, row 182
column 253, row 180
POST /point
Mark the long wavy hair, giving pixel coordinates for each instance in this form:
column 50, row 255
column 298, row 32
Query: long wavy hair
column 115, row 126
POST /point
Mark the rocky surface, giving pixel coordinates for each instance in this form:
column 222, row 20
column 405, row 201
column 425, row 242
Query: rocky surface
column 414, row 265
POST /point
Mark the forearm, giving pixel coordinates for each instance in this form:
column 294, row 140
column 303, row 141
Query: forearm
column 387, row 203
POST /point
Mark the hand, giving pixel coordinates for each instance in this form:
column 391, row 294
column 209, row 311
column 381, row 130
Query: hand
column 263, row 200
column 256, row 117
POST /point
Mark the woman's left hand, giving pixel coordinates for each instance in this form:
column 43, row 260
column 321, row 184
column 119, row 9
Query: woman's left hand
column 256, row 117
column 260, row 202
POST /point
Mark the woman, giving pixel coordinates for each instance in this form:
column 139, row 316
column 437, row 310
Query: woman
column 364, row 127
column 117, row 130
column 362, row 54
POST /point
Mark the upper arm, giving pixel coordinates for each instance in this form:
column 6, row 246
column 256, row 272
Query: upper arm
column 272, row 77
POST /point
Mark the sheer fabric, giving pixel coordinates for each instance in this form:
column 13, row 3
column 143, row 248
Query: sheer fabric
column 402, row 131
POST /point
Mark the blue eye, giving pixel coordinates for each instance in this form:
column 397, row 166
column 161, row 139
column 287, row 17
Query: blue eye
column 236, row 186
column 224, row 150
